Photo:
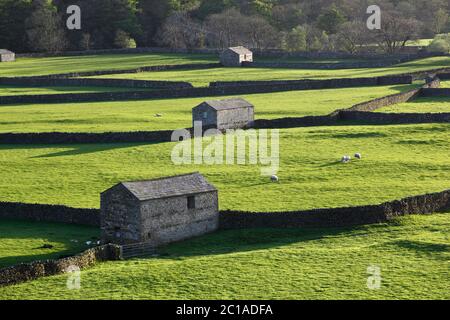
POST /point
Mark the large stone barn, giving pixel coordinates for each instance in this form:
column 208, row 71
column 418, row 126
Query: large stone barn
column 234, row 57
column 7, row 56
column 235, row 113
column 159, row 211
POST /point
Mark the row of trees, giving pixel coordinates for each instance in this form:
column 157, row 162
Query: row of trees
column 297, row 25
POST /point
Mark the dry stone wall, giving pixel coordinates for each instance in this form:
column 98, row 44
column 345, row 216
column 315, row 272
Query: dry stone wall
column 34, row 270
column 87, row 82
column 49, row 213
column 338, row 217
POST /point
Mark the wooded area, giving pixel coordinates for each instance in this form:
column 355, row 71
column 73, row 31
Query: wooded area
column 294, row 25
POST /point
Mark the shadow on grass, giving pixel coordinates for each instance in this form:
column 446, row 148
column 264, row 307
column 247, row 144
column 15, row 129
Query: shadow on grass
column 75, row 149
column 438, row 250
column 56, row 234
column 231, row 241
column 359, row 135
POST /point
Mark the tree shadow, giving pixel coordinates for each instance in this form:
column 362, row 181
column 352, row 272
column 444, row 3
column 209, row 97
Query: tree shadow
column 75, row 149
column 437, row 251
column 245, row 240
column 49, row 233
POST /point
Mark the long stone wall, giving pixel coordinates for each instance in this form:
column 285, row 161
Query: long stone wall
column 307, row 84
column 49, row 213
column 34, row 270
column 328, row 66
column 85, row 82
column 216, row 89
column 394, row 98
column 331, row 217
column 393, row 118
column 337, row 217
column 436, row 92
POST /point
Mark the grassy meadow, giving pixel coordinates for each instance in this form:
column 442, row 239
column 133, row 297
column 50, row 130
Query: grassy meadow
column 7, row 90
column 412, row 253
column 23, row 241
column 25, row 67
column 204, row 77
column 420, row 105
column 176, row 113
column 398, row 161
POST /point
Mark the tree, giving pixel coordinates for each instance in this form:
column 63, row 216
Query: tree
column 440, row 21
column 288, row 16
column 13, row 14
column 102, row 19
column 295, row 40
column 330, row 20
column 123, row 40
column 180, row 31
column 396, row 31
column 44, row 28
column 350, row 36
column 224, row 29
column 260, row 34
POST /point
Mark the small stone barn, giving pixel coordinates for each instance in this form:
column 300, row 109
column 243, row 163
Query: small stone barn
column 159, row 211
column 7, row 56
column 235, row 113
column 233, row 57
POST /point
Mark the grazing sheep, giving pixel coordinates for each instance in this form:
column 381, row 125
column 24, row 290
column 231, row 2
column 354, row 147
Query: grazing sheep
column 346, row 159
column 358, row 156
column 274, row 178
column 158, row 115
column 88, row 243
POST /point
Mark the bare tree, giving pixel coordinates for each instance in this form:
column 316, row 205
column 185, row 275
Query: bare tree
column 396, row 31
column 180, row 31
column 260, row 33
column 225, row 29
column 350, row 36
column 231, row 28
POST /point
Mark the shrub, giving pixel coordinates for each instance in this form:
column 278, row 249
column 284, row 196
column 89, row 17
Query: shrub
column 439, row 45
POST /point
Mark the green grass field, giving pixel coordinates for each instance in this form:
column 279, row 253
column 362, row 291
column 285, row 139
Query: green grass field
column 54, row 65
column 22, row 241
column 204, row 77
column 177, row 113
column 420, row 105
column 398, row 161
column 6, row 90
column 412, row 253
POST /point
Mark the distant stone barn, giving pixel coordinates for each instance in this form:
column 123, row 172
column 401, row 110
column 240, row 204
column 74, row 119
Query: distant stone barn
column 234, row 57
column 235, row 113
column 159, row 211
column 7, row 56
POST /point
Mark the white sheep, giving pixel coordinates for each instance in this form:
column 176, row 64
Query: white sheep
column 88, row 243
column 274, row 178
column 346, row 159
column 358, row 156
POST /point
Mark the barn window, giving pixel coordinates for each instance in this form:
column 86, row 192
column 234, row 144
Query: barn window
column 205, row 115
column 191, row 202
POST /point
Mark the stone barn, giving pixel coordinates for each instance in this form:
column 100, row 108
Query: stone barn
column 235, row 113
column 7, row 56
column 234, row 57
column 159, row 211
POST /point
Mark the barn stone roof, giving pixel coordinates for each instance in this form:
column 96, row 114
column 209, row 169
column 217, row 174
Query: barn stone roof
column 240, row 50
column 169, row 186
column 227, row 104
column 4, row 51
